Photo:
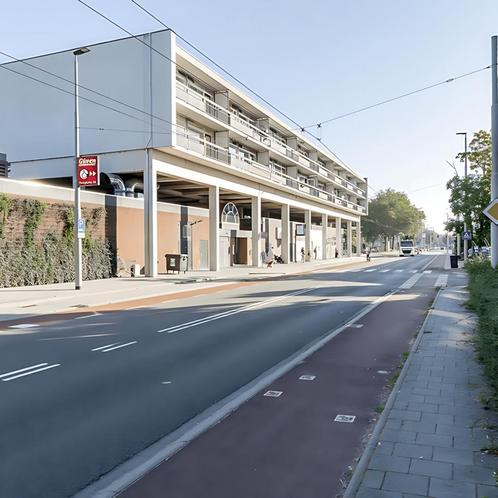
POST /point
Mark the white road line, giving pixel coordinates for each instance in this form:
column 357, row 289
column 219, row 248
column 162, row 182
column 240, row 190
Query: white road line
column 87, row 316
column 411, row 281
column 384, row 271
column 120, row 346
column 368, row 271
column 24, row 326
column 8, row 374
column 413, row 271
column 218, row 316
column 442, row 281
column 85, row 336
column 427, row 272
column 104, row 347
column 31, row 372
column 399, row 271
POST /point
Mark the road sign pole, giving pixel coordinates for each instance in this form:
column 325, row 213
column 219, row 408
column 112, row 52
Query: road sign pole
column 494, row 153
column 78, row 267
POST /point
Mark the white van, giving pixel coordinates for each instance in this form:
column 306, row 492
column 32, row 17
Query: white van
column 407, row 248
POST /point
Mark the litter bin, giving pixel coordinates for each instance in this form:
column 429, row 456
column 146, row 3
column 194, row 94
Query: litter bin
column 173, row 262
column 454, row 261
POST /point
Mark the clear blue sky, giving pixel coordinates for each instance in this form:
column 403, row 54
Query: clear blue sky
column 317, row 59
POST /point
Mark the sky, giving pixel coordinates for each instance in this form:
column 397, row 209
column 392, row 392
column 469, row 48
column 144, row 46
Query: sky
column 318, row 59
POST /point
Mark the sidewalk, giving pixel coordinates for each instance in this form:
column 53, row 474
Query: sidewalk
column 24, row 302
column 428, row 441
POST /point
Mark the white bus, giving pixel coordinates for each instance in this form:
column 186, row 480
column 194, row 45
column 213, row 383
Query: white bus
column 407, row 248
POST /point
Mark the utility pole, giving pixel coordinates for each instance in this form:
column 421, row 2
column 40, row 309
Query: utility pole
column 78, row 266
column 494, row 147
column 465, row 241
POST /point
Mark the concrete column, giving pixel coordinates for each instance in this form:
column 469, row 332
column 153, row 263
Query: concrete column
column 150, row 217
column 325, row 222
column 285, row 233
column 256, row 230
column 358, row 238
column 338, row 236
column 214, row 228
column 349, row 238
column 307, row 233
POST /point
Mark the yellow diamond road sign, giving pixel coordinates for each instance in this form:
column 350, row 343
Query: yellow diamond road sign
column 492, row 211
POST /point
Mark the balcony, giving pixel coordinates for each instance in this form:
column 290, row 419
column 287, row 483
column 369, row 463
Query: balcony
column 212, row 151
column 208, row 106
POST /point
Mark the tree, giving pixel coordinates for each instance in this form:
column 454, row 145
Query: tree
column 391, row 213
column 469, row 196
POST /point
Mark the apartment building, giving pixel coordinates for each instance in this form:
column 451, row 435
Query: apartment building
column 169, row 129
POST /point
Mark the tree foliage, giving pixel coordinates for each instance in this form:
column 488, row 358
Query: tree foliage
column 469, row 196
column 391, row 213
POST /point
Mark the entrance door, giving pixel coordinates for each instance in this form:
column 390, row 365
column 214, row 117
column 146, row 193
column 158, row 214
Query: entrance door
column 224, row 252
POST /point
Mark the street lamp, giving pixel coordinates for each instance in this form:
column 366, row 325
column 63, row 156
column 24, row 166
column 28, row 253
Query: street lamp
column 78, row 270
column 465, row 241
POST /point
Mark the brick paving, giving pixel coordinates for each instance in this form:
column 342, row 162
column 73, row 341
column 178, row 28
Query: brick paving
column 431, row 443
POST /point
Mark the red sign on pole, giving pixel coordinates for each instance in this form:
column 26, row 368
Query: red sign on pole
column 88, row 171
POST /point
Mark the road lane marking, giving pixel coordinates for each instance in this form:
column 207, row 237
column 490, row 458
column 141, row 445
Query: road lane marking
column 413, row 271
column 166, row 382
column 24, row 326
column 384, row 271
column 85, row 336
column 273, row 394
column 104, row 347
column 372, row 269
column 120, row 346
column 411, row 281
column 225, row 314
column 442, row 281
column 356, row 326
column 399, row 271
column 87, row 316
column 427, row 272
column 307, row 377
column 8, row 374
column 30, row 372
column 348, row 419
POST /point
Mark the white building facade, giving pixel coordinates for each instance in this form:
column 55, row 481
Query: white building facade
column 167, row 126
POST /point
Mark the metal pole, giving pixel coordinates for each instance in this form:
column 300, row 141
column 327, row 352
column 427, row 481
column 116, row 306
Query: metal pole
column 465, row 241
column 494, row 153
column 77, row 199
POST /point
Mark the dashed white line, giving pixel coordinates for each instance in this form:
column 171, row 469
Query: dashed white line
column 118, row 347
column 399, row 271
column 384, row 271
column 29, row 372
column 104, row 347
column 22, row 370
column 24, row 326
column 372, row 269
column 413, row 271
column 218, row 316
column 87, row 316
column 427, row 272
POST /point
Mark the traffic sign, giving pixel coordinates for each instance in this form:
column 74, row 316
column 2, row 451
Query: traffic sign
column 491, row 211
column 467, row 235
column 81, row 228
column 88, row 171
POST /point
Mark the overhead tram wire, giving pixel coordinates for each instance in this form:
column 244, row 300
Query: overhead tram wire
column 81, row 97
column 259, row 96
column 393, row 99
column 114, row 23
column 62, row 78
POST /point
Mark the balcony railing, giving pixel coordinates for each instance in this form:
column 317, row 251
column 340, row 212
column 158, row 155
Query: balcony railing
column 195, row 99
column 195, row 144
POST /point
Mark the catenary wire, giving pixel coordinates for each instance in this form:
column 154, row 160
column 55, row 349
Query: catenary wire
column 398, row 97
column 114, row 23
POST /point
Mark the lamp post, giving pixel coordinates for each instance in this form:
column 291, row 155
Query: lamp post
column 78, row 267
column 465, row 241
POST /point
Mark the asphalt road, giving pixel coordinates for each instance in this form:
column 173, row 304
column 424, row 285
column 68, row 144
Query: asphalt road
column 81, row 396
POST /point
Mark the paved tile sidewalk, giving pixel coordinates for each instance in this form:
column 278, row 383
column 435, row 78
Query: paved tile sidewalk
column 430, row 445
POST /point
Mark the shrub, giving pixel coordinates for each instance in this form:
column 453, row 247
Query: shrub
column 483, row 299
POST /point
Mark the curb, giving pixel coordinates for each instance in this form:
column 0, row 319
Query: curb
column 362, row 465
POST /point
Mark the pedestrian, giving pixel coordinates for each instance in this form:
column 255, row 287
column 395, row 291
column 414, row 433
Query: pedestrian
column 336, row 253
column 368, row 254
column 302, row 254
column 315, row 251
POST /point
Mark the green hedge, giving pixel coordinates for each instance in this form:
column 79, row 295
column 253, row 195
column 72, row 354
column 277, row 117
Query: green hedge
column 483, row 299
column 26, row 262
